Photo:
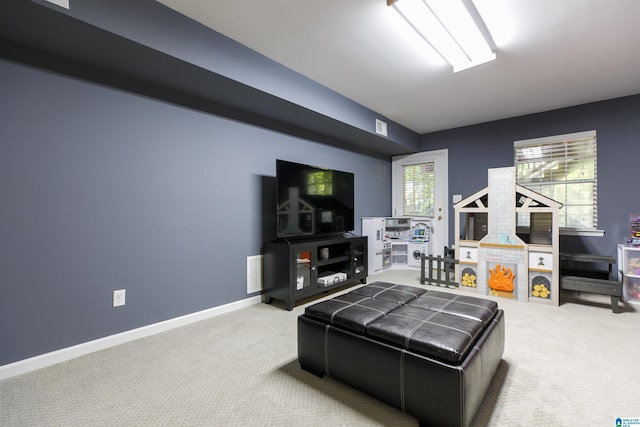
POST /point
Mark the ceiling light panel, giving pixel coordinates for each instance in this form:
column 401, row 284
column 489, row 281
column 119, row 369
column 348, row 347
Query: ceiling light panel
column 448, row 26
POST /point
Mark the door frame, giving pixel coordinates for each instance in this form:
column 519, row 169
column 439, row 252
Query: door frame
column 440, row 219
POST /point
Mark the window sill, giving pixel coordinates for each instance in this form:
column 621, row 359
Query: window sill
column 581, row 232
column 564, row 231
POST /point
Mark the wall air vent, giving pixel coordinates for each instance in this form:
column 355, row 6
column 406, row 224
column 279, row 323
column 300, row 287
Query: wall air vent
column 381, row 128
column 254, row 274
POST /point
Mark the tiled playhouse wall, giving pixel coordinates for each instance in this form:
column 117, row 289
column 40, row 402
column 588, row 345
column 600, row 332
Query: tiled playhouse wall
column 512, row 251
column 502, row 204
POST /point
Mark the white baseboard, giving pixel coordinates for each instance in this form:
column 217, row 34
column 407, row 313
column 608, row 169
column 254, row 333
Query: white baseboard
column 68, row 353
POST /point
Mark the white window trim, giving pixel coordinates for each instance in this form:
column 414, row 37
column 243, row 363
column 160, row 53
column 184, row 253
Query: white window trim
column 555, row 138
column 566, row 231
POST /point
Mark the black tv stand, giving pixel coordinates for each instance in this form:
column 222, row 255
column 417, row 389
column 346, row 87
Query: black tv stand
column 300, row 268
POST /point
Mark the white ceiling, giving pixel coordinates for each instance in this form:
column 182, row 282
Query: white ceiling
column 551, row 54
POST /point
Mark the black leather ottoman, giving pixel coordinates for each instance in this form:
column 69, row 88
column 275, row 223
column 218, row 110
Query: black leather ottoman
column 431, row 354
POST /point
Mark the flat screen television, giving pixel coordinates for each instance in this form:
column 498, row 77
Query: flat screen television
column 313, row 201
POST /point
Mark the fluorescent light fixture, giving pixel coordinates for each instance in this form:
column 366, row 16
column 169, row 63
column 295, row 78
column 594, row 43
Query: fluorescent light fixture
column 453, row 28
column 61, row 3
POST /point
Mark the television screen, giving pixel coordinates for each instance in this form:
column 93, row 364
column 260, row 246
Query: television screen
column 312, row 200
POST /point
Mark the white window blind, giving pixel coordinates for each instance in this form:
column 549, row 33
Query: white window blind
column 418, row 189
column 563, row 168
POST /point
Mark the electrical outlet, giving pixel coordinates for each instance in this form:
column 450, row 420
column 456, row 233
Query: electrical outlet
column 118, row 297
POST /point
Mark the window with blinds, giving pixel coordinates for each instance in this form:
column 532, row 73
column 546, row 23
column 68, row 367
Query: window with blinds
column 320, row 183
column 563, row 168
column 418, row 189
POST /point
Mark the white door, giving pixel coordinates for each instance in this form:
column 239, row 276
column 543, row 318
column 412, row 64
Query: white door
column 430, row 203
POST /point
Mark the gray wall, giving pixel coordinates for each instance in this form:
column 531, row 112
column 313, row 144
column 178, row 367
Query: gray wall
column 474, row 149
column 103, row 189
column 149, row 49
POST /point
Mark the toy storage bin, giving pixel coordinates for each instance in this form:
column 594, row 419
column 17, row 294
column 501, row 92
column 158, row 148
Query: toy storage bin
column 629, row 272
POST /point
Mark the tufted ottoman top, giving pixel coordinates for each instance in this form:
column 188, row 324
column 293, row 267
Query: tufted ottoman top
column 472, row 308
column 350, row 311
column 397, row 294
column 432, row 323
column 430, row 333
column 356, row 309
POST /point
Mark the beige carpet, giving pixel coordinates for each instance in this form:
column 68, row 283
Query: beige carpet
column 573, row 365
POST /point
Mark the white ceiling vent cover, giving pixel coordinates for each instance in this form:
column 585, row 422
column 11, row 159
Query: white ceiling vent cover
column 381, row 127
